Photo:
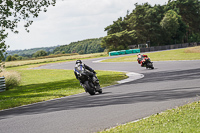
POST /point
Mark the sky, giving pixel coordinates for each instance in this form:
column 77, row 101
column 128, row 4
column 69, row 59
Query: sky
column 71, row 21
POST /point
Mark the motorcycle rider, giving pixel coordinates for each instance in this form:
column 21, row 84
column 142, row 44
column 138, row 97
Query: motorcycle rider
column 88, row 70
column 141, row 59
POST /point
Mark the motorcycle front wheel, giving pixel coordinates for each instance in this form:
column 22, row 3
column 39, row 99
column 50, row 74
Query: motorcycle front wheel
column 89, row 88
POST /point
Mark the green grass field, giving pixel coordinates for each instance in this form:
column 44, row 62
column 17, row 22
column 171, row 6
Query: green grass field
column 46, row 84
column 178, row 54
column 185, row 119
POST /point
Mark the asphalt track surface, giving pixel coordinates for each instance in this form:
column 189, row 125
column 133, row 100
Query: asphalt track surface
column 170, row 84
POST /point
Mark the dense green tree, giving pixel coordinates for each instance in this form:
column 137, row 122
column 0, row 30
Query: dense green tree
column 190, row 12
column 172, row 23
column 13, row 11
column 154, row 30
column 19, row 58
column 16, row 55
column 117, row 26
column 13, row 58
column 139, row 23
column 40, row 53
column 86, row 46
column 9, row 58
column 119, row 41
column 194, row 38
column 81, row 52
column 57, row 52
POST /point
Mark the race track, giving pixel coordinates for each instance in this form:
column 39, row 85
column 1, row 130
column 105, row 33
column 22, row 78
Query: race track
column 170, row 84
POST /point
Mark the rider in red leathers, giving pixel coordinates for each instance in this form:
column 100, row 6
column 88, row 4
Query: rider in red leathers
column 141, row 59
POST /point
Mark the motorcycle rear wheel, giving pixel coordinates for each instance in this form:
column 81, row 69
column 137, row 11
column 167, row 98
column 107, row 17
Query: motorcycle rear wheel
column 149, row 65
column 99, row 89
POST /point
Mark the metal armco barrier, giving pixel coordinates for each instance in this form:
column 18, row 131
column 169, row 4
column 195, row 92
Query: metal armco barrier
column 2, row 84
column 166, row 47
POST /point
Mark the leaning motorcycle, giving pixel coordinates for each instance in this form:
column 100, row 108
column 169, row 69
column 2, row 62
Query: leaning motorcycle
column 90, row 85
column 148, row 63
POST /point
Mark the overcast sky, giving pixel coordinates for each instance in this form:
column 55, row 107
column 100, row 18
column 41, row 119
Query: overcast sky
column 71, row 21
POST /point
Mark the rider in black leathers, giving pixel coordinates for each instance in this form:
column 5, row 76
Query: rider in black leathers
column 82, row 67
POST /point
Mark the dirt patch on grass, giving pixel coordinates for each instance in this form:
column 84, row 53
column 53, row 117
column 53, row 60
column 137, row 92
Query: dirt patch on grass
column 193, row 50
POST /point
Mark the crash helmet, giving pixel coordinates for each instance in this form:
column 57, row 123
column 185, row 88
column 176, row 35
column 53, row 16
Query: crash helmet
column 139, row 55
column 78, row 62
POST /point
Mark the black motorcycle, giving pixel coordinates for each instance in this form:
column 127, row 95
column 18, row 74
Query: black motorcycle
column 148, row 63
column 90, row 85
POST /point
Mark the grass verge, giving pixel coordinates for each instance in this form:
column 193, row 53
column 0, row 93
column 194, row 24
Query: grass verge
column 178, row 54
column 53, row 60
column 185, row 119
column 46, row 84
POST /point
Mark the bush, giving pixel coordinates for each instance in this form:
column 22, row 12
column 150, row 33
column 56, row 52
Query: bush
column 12, row 79
column 81, row 52
column 40, row 53
column 9, row 58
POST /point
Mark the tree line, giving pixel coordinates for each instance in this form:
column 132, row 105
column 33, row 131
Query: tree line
column 30, row 52
column 34, row 55
column 81, row 47
column 176, row 22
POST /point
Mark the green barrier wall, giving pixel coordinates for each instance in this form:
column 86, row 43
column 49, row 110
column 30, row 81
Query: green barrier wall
column 122, row 52
column 129, row 51
column 135, row 50
column 112, row 53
